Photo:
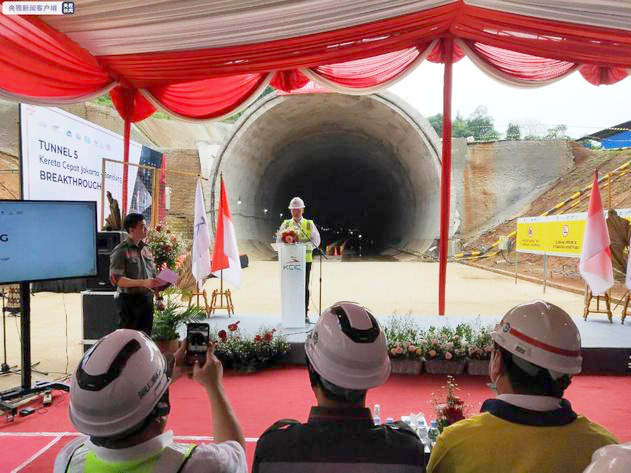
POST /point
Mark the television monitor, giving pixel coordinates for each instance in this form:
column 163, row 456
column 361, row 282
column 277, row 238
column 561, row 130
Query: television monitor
column 42, row 240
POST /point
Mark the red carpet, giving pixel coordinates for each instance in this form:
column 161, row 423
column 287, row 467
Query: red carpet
column 261, row 399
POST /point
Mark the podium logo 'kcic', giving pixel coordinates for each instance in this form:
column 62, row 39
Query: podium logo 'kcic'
column 293, row 264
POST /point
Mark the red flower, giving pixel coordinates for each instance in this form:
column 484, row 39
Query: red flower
column 223, row 335
column 173, row 239
column 167, row 248
column 268, row 336
column 257, row 338
column 159, row 228
column 233, row 327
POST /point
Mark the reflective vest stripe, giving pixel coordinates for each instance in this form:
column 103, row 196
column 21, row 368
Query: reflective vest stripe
column 170, row 460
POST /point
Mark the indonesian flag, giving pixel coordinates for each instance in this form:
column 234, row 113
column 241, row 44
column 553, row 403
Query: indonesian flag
column 226, row 253
column 201, row 238
column 595, row 265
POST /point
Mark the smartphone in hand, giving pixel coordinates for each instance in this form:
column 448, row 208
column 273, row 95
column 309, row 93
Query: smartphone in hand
column 197, row 336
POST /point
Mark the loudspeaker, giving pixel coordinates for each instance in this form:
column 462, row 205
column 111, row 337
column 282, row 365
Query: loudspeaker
column 98, row 311
column 105, row 243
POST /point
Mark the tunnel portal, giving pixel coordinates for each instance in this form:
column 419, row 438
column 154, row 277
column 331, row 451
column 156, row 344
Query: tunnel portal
column 364, row 165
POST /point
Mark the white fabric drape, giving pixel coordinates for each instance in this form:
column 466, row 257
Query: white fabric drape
column 315, row 77
column 603, row 13
column 502, row 77
column 55, row 101
column 140, row 26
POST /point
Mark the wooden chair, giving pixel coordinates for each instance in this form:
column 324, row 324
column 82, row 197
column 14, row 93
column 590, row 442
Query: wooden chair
column 625, row 308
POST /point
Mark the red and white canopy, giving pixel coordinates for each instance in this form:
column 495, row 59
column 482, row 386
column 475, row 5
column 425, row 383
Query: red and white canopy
column 203, row 60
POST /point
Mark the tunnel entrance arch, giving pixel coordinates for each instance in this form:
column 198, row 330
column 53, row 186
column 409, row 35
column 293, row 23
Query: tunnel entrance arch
column 363, row 164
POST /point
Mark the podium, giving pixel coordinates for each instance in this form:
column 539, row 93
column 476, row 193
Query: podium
column 293, row 273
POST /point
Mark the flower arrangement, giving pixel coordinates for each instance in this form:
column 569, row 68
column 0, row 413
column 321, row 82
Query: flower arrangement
column 404, row 339
column 445, row 343
column 249, row 353
column 452, row 409
column 288, row 235
column 165, row 246
column 480, row 343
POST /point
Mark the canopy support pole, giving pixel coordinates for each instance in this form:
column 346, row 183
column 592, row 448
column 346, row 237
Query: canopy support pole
column 445, row 177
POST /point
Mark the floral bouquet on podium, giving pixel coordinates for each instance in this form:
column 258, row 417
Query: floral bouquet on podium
column 288, row 235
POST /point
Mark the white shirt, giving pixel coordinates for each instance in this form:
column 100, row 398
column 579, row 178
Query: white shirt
column 532, row 403
column 315, row 234
column 224, row 457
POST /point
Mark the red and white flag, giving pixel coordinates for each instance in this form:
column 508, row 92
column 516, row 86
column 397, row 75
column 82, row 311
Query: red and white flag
column 595, row 264
column 226, row 253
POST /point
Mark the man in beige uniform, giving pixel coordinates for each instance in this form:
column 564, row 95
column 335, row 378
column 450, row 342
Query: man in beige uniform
column 133, row 271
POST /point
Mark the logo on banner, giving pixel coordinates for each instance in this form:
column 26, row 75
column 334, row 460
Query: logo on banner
column 530, row 231
column 565, row 231
column 293, row 264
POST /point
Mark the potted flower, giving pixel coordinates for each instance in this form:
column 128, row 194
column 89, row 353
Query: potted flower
column 445, row 350
column 479, row 351
column 166, row 319
column 404, row 345
column 248, row 354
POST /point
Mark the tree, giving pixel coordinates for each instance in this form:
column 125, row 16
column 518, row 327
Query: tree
column 481, row 125
column 437, row 123
column 513, row 132
column 460, row 127
column 557, row 133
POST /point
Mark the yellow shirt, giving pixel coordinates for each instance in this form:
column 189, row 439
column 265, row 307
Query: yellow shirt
column 488, row 444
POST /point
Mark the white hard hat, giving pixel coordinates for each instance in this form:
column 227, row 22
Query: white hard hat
column 611, row 459
column 543, row 335
column 117, row 384
column 348, row 348
column 296, row 203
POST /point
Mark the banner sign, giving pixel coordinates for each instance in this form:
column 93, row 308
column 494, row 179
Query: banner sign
column 556, row 235
column 62, row 159
column 531, row 235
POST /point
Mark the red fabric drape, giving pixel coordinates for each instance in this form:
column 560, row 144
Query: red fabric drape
column 364, row 41
column 289, row 80
column 601, row 75
column 438, row 54
column 37, row 61
column 580, row 44
column 521, row 66
column 210, row 98
column 131, row 105
column 372, row 71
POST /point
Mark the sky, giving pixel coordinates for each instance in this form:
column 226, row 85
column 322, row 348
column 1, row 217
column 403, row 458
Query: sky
column 572, row 101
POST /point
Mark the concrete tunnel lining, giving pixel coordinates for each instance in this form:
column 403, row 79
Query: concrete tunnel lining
column 367, row 161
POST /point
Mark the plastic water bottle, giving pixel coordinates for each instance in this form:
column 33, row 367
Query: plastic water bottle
column 433, row 431
column 376, row 414
column 421, row 428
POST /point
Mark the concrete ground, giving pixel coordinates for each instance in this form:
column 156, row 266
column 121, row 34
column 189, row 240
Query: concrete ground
column 384, row 287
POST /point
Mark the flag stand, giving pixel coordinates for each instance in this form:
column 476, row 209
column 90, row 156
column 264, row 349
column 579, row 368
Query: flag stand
column 197, row 295
column 221, row 293
column 588, row 299
column 625, row 309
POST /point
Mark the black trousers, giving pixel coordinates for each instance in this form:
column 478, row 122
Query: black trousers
column 135, row 311
column 308, row 275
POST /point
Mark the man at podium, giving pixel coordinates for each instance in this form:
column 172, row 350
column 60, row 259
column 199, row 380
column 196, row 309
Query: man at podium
column 307, row 233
